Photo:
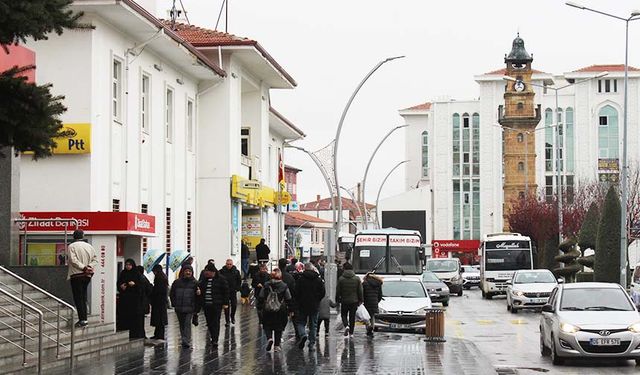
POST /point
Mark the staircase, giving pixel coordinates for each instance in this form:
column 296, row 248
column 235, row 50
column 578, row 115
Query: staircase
column 37, row 331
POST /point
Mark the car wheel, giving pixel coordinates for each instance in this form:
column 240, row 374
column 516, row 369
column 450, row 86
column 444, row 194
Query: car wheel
column 489, row 296
column 484, row 295
column 554, row 354
column 376, row 329
column 445, row 303
column 508, row 307
column 637, row 362
column 466, row 287
column 544, row 351
column 460, row 293
column 514, row 310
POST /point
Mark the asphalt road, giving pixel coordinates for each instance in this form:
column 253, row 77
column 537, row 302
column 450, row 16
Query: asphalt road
column 511, row 341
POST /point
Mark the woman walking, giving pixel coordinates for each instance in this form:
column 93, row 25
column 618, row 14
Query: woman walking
column 372, row 291
column 159, row 295
column 184, row 293
column 130, row 302
column 274, row 298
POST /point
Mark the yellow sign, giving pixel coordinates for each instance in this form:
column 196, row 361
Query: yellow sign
column 283, row 198
column 262, row 196
column 77, row 139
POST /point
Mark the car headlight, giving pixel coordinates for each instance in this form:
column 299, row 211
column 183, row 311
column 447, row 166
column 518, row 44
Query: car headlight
column 422, row 311
column 518, row 293
column 381, row 310
column 635, row 327
column 569, row 328
column 456, row 278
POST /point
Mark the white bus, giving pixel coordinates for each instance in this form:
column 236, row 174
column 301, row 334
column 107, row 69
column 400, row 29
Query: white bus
column 388, row 251
column 501, row 255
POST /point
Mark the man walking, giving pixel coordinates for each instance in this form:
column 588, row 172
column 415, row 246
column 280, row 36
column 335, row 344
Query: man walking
column 349, row 294
column 82, row 261
column 244, row 259
column 288, row 279
column 310, row 291
column 262, row 252
column 232, row 275
column 214, row 298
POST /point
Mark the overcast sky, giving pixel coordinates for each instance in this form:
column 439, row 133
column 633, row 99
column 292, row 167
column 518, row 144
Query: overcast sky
column 328, row 46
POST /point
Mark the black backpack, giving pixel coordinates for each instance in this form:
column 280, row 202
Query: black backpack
column 272, row 302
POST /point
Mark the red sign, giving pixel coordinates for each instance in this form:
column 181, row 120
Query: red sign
column 113, row 222
column 19, row 56
column 442, row 247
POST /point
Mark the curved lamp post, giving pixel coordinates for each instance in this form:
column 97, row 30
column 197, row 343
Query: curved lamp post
column 355, row 202
column 380, row 189
column 624, row 170
column 365, row 221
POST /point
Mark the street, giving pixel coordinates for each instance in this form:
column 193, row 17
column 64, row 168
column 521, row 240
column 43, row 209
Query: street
column 510, row 341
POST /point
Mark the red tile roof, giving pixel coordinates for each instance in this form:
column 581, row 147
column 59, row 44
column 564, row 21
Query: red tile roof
column 299, row 219
column 201, row 37
column 420, row 107
column 503, row 71
column 325, row 205
column 605, row 68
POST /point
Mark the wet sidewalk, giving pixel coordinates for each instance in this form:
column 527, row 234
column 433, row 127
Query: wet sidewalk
column 241, row 351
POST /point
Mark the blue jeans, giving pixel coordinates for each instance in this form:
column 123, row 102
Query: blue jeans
column 312, row 319
column 244, row 264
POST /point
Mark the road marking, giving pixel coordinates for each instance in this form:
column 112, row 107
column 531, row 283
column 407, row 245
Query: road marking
column 519, row 321
column 454, row 322
column 485, row 321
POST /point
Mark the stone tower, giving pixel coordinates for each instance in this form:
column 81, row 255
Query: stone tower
column 518, row 117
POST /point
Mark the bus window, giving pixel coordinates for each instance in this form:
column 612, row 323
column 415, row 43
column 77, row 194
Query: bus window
column 404, row 260
column 365, row 258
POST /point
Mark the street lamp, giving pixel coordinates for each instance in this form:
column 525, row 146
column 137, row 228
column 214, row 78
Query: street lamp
column 559, row 168
column 380, row 189
column 365, row 221
column 624, row 170
column 354, row 201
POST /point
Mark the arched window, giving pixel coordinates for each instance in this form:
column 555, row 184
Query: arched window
column 608, row 133
column 520, row 137
column 425, row 153
column 520, row 167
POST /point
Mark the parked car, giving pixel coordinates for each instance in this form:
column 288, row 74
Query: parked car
column 438, row 291
column 449, row 271
column 404, row 304
column 529, row 289
column 635, row 286
column 470, row 276
column 595, row 320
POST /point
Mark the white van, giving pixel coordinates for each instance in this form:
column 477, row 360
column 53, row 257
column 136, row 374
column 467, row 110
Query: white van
column 449, row 271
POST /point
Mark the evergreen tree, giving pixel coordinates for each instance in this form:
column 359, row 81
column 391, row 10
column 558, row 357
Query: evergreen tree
column 607, row 257
column 29, row 112
column 589, row 231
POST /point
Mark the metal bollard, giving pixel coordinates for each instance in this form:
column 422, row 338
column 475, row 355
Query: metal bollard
column 435, row 325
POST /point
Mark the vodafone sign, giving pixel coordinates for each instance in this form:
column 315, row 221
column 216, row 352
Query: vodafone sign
column 91, row 222
column 442, row 247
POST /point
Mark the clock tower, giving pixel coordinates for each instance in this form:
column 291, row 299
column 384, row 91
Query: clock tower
column 518, row 117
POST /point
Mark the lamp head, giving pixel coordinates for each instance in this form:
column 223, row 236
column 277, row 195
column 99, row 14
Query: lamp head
column 575, row 5
column 635, row 13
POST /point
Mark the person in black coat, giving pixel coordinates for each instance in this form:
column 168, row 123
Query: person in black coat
column 291, row 268
column 159, row 294
column 257, row 283
column 130, row 303
column 262, row 251
column 372, row 295
column 231, row 273
column 213, row 298
column 309, row 291
column 274, row 321
column 146, row 287
column 288, row 279
column 184, row 293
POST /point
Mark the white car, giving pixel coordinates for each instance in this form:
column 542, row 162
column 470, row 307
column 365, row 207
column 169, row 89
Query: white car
column 529, row 289
column 592, row 320
column 470, row 276
column 404, row 304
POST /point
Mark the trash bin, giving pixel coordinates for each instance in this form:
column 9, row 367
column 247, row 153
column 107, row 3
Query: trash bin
column 435, row 325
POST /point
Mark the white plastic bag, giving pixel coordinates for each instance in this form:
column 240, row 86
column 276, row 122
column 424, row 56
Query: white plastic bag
column 362, row 315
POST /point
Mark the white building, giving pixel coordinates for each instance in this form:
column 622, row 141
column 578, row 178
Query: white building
column 455, row 147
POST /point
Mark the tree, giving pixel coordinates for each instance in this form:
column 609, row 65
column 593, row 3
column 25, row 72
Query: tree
column 568, row 257
column 607, row 257
column 29, row 112
column 589, row 235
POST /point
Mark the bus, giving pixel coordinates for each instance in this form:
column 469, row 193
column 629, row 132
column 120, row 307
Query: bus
column 388, row 251
column 501, row 254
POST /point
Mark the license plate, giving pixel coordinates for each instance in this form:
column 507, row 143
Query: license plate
column 434, row 295
column 397, row 325
column 604, row 342
column 539, row 300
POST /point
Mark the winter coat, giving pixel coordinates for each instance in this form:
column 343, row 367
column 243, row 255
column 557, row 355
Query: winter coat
column 159, row 302
column 80, row 255
column 349, row 288
column 244, row 251
column 309, row 291
column 219, row 291
column 291, row 284
column 233, row 278
column 146, row 294
column 324, row 311
column 130, row 300
column 260, row 278
column 372, row 292
column 183, row 295
column 275, row 320
column 262, row 251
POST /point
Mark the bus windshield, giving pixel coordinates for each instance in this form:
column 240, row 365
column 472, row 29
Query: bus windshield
column 404, row 260
column 505, row 260
column 366, row 258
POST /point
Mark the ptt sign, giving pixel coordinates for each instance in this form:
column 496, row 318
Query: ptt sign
column 76, row 139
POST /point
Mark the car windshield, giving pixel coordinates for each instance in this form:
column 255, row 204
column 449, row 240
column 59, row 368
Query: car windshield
column 534, row 277
column 430, row 277
column 505, row 260
column 444, row 265
column 595, row 299
column 406, row 289
column 470, row 269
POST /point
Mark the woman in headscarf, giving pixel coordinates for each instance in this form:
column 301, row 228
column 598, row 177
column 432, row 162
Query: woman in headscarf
column 131, row 292
column 159, row 295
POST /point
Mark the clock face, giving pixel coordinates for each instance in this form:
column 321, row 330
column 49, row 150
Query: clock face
column 519, row 86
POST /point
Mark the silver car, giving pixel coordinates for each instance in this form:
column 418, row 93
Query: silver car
column 594, row 320
column 437, row 289
column 529, row 289
column 404, row 304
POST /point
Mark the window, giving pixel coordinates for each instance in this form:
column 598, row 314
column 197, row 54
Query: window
column 145, row 109
column 190, row 119
column 245, row 137
column 569, row 144
column 168, row 121
column 548, row 140
column 607, row 85
column 144, row 243
column 115, row 205
column 466, row 170
column 425, row 153
column 188, row 239
column 116, row 90
column 608, row 133
column 167, row 230
column 548, row 188
column 520, row 167
column 520, row 137
column 465, row 120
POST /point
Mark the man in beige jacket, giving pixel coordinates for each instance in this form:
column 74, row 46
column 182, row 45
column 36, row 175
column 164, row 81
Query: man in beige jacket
column 82, row 260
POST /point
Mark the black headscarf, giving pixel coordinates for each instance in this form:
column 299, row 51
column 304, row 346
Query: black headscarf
column 129, row 275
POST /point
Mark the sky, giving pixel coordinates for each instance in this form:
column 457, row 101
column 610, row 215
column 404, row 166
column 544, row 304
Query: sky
column 329, row 46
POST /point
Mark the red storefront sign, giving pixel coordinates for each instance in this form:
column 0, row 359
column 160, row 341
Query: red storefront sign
column 441, row 248
column 92, row 222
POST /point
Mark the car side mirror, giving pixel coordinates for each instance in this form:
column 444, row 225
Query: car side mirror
column 560, row 280
column 547, row 308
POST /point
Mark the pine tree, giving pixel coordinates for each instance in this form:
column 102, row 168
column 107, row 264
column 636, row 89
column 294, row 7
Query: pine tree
column 29, row 112
column 607, row 257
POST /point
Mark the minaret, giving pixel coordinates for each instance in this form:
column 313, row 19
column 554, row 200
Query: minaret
column 519, row 117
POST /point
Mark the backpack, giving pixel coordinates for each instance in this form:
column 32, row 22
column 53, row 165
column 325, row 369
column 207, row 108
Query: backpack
column 272, row 303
